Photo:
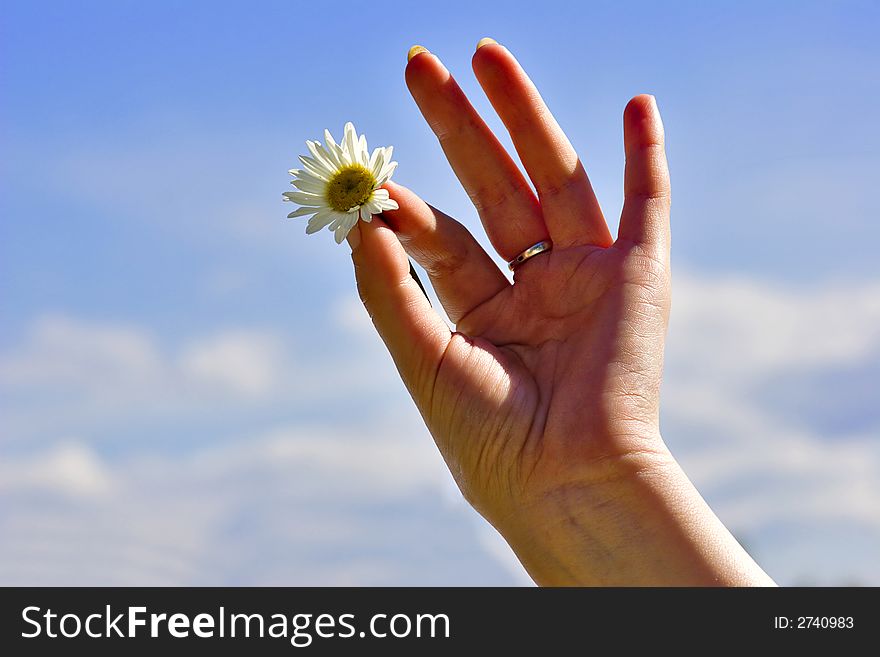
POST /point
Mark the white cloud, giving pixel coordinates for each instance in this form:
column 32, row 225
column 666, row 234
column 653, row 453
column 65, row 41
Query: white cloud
column 71, row 468
column 334, row 502
column 293, row 506
column 244, row 363
column 741, row 329
column 761, row 468
column 72, row 375
column 61, row 351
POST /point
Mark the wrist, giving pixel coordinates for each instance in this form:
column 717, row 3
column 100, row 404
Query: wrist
column 641, row 523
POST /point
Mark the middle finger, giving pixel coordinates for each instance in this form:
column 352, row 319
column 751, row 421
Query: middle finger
column 570, row 208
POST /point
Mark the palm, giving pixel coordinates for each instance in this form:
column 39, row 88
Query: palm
column 551, row 358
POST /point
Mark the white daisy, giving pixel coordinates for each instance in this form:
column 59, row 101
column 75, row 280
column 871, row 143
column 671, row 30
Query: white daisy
column 340, row 183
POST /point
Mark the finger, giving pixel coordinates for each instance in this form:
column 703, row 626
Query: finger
column 645, row 216
column 571, row 211
column 461, row 272
column 413, row 332
column 505, row 202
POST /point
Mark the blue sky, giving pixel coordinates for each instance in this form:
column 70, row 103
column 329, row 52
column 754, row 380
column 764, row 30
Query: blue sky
column 174, row 351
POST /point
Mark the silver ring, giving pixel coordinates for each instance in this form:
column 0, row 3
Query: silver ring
column 530, row 252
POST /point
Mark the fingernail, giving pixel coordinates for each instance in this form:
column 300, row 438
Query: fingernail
column 415, row 50
column 485, row 41
column 354, row 237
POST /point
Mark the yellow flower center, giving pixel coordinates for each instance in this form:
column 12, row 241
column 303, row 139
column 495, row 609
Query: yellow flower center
column 350, row 187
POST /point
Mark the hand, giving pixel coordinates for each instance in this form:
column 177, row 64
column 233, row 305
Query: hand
column 545, row 400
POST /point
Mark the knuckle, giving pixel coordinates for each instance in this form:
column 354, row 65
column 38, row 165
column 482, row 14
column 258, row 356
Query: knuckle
column 488, row 197
column 551, row 188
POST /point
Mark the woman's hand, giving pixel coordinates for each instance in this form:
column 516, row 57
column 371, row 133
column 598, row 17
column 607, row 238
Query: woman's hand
column 544, row 402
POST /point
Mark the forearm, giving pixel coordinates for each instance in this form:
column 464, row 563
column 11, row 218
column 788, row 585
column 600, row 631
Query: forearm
column 647, row 527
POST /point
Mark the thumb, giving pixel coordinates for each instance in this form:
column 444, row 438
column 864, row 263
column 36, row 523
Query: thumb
column 413, row 332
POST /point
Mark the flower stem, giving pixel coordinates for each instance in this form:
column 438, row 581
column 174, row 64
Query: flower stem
column 412, row 272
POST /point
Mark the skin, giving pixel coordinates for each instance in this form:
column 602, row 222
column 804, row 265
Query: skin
column 544, row 401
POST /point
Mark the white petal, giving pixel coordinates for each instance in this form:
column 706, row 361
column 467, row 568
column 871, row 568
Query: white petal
column 344, row 227
column 305, row 185
column 351, row 143
column 334, row 153
column 321, row 155
column 315, row 168
column 363, row 152
column 304, row 198
column 350, row 134
column 337, row 224
column 338, row 218
column 386, row 204
column 321, row 219
column 314, row 173
column 332, row 156
column 389, row 168
column 311, row 179
column 365, row 213
column 381, row 195
column 302, row 212
column 317, row 174
column 333, row 149
column 377, row 161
